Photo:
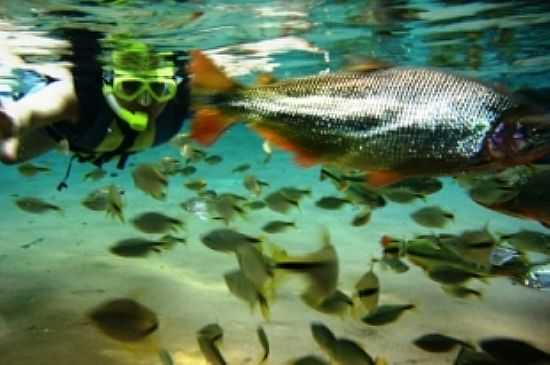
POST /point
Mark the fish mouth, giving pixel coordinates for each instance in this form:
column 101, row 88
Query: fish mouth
column 519, row 142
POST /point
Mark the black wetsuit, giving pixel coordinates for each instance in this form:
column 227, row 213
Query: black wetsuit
column 95, row 114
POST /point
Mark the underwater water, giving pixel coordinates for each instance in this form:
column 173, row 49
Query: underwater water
column 58, row 266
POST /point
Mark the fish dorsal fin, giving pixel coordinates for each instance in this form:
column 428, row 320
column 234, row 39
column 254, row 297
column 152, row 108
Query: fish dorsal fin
column 207, row 75
column 367, row 65
column 263, row 79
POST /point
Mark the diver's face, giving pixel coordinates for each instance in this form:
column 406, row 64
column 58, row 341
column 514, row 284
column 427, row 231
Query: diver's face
column 147, row 93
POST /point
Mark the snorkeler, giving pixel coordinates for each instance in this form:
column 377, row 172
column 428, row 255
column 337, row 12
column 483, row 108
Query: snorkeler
column 137, row 100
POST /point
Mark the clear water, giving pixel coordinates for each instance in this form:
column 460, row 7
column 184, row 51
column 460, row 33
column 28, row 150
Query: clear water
column 47, row 288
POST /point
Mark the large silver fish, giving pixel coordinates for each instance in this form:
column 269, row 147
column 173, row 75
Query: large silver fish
column 393, row 121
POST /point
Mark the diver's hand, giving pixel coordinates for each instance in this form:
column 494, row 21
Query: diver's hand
column 9, row 137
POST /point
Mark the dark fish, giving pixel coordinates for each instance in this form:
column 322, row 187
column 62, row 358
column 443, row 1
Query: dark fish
column 279, row 202
column 264, row 342
column 256, row 204
column 277, row 226
column 331, row 202
column 154, row 222
column 436, row 342
column 386, row 313
column 361, row 218
column 124, row 320
column 294, row 193
column 468, row 356
column 213, row 159
column 35, row 205
column 451, row 275
column 212, row 332
column 337, row 303
column 208, row 337
column 432, row 217
column 423, row 185
column 28, row 169
column 139, row 247
column 395, row 264
column 309, row 360
column 531, row 202
column 394, row 121
column 526, row 240
column 188, row 170
column 401, row 196
column 461, row 291
column 227, row 240
column 340, row 350
column 241, row 168
column 512, row 351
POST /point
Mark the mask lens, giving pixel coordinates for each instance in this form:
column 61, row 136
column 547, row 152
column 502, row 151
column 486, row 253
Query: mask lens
column 158, row 88
column 130, row 87
column 163, row 90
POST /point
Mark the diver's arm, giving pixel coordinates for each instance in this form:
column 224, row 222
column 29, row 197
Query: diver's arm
column 53, row 103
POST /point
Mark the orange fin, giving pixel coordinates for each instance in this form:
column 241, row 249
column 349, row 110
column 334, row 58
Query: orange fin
column 379, row 179
column 208, row 124
column 302, row 157
column 264, row 78
column 206, row 75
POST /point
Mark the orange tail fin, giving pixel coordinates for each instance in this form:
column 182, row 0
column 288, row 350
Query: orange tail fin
column 208, row 124
column 206, row 75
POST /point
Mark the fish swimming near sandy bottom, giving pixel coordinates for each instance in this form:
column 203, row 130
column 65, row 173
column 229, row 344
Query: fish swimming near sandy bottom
column 392, row 121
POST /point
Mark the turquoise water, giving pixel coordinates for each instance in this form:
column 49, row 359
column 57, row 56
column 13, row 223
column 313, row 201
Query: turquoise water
column 56, row 267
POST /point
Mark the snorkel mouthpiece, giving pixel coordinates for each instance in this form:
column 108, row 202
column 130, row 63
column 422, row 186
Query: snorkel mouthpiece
column 136, row 120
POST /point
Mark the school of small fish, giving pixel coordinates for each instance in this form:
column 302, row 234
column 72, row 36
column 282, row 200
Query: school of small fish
column 362, row 183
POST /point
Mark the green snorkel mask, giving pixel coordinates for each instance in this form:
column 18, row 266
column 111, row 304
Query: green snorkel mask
column 138, row 74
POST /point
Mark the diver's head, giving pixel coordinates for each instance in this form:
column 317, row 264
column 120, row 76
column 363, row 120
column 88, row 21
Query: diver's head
column 138, row 82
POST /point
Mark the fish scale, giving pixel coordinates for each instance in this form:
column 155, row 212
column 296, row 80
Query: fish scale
column 381, row 119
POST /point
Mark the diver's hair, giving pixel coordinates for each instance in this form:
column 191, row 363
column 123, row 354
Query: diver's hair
column 131, row 55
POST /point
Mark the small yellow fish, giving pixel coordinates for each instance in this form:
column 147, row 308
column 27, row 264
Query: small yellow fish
column 252, row 184
column 368, row 290
column 169, row 165
column 150, row 180
column 245, row 290
column 195, row 185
